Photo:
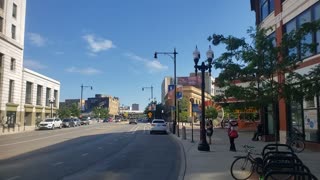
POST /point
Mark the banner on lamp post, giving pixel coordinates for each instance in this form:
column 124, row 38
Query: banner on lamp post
column 179, row 92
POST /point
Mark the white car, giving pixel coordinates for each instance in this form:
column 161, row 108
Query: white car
column 158, row 125
column 50, row 123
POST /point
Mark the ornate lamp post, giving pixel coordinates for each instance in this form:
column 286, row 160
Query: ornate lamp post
column 51, row 101
column 203, row 144
column 175, row 84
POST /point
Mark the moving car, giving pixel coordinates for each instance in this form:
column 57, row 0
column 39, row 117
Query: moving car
column 158, row 125
column 50, row 123
column 133, row 121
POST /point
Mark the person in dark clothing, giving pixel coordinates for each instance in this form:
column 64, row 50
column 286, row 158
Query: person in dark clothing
column 232, row 127
column 259, row 132
column 209, row 129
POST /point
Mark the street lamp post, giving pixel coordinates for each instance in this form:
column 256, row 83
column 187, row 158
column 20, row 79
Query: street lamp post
column 151, row 87
column 175, row 83
column 203, row 144
column 51, row 101
column 192, row 101
column 82, row 86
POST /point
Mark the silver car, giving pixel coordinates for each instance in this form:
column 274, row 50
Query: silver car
column 76, row 122
column 158, row 125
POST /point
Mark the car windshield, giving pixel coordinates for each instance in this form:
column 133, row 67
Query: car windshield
column 48, row 120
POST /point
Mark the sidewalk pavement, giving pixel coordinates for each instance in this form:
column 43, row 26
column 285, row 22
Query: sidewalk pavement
column 216, row 163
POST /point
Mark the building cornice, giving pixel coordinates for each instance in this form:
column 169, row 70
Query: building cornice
column 3, row 37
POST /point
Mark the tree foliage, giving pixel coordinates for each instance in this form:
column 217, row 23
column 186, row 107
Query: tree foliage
column 100, row 112
column 211, row 113
column 63, row 112
column 74, row 110
column 259, row 64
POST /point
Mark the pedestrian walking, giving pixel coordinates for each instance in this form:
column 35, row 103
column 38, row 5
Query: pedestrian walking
column 209, row 130
column 233, row 134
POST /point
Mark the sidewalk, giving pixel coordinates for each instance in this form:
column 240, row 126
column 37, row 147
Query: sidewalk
column 216, row 163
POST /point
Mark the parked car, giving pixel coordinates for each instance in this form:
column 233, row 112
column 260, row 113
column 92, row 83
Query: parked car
column 84, row 122
column 66, row 123
column 117, row 120
column 158, row 125
column 133, row 121
column 77, row 121
column 105, row 120
column 50, row 123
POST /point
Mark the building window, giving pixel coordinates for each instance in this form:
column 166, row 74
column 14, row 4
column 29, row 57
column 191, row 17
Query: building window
column 317, row 18
column 1, row 60
column 11, row 89
column 1, row 24
column 55, row 95
column 310, row 103
column 266, row 8
column 1, row 4
column 39, row 94
column 12, row 64
column 307, row 39
column 48, row 95
column 14, row 10
column 28, row 93
column 310, row 15
column 13, row 31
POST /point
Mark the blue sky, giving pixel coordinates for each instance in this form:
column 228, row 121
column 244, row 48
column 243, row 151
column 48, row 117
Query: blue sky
column 109, row 44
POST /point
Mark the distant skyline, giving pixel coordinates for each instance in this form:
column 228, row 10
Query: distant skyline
column 110, row 44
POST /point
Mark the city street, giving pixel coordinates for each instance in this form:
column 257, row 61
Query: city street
column 98, row 151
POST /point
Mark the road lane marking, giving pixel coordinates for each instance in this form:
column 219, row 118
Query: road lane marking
column 84, row 154
column 58, row 163
column 14, row 177
column 135, row 130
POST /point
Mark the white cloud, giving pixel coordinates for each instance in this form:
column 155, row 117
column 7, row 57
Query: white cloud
column 32, row 64
column 36, row 39
column 85, row 71
column 97, row 44
column 151, row 65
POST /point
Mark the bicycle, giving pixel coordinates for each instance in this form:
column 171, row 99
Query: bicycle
column 296, row 141
column 243, row 166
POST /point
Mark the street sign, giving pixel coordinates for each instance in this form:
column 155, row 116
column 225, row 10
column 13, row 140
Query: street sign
column 195, row 108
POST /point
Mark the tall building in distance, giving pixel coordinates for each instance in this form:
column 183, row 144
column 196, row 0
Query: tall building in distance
column 284, row 17
column 25, row 96
column 135, row 107
column 164, row 87
column 104, row 101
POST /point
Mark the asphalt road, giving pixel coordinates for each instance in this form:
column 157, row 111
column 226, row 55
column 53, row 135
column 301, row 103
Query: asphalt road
column 100, row 151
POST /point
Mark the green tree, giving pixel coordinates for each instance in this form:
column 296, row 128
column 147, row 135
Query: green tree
column 183, row 109
column 75, row 111
column 99, row 112
column 211, row 113
column 258, row 62
column 63, row 112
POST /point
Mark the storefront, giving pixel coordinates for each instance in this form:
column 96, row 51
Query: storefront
column 305, row 117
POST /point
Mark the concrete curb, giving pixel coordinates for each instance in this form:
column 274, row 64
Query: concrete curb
column 183, row 167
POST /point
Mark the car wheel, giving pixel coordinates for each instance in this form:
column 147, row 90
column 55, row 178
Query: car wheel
column 151, row 132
